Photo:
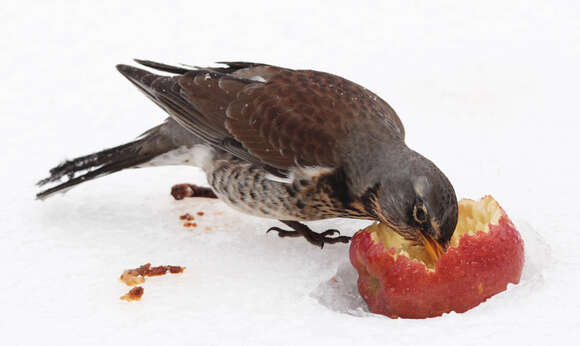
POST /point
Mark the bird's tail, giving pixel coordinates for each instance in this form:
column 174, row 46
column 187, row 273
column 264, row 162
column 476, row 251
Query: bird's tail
column 105, row 162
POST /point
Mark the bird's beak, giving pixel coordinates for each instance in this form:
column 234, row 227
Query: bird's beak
column 433, row 248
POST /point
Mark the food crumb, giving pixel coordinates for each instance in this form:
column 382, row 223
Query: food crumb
column 200, row 213
column 207, row 228
column 187, row 216
column 190, row 224
column 156, row 271
column 176, row 269
column 333, row 279
column 134, row 294
column 132, row 277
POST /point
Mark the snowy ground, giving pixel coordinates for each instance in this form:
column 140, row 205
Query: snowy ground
column 489, row 92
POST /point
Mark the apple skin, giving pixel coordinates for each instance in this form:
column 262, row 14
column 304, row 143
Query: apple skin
column 479, row 267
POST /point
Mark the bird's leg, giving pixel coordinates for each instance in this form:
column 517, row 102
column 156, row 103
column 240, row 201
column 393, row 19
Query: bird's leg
column 181, row 191
column 318, row 239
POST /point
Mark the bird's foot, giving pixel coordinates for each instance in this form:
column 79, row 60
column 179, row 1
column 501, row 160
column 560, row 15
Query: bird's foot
column 181, row 191
column 314, row 238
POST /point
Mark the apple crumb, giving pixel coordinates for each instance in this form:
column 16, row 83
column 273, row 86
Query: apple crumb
column 187, row 216
column 134, row 294
column 132, row 277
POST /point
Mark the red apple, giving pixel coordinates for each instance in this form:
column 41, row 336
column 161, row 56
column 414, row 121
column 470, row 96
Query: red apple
column 398, row 278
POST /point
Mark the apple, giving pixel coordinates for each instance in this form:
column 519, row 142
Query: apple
column 398, row 278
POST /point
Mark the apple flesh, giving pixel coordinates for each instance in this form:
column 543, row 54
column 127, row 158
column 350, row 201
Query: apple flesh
column 398, row 278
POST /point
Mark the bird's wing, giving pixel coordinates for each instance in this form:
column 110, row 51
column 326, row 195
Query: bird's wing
column 265, row 114
column 167, row 93
column 301, row 117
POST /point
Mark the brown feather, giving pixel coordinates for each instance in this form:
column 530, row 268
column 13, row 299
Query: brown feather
column 210, row 94
column 300, row 117
column 277, row 117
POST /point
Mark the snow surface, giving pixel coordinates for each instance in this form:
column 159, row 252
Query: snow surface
column 487, row 90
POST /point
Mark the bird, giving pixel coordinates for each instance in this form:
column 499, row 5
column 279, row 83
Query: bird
column 286, row 144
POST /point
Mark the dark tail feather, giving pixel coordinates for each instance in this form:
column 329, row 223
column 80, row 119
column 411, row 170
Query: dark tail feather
column 97, row 165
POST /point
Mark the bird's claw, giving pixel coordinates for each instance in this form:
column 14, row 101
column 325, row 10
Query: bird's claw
column 330, row 232
column 284, row 233
column 314, row 238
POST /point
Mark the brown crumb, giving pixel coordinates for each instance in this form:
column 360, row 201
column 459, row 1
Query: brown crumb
column 156, row 271
column 333, row 279
column 132, row 277
column 190, row 224
column 200, row 213
column 207, row 228
column 176, row 269
column 134, row 294
column 187, row 216
column 144, row 269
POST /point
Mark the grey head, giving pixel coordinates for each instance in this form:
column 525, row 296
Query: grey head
column 409, row 193
column 418, row 200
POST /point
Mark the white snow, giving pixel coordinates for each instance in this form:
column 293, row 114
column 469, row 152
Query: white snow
column 488, row 92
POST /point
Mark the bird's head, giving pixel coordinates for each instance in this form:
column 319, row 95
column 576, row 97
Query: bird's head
column 418, row 202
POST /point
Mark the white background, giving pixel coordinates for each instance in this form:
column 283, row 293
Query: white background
column 487, row 90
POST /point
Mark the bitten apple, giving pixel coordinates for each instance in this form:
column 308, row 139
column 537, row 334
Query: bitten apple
column 398, row 278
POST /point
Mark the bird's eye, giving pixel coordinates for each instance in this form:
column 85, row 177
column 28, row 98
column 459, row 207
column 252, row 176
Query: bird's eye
column 420, row 213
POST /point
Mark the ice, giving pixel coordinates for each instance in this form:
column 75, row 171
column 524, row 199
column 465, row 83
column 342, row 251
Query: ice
column 538, row 256
column 340, row 292
column 488, row 92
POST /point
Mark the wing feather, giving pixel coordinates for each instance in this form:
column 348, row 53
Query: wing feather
column 273, row 116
